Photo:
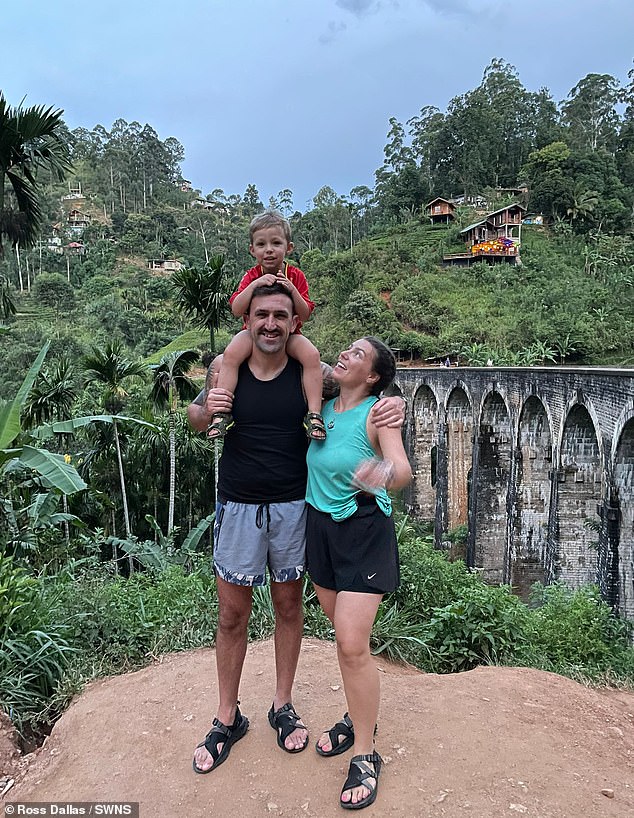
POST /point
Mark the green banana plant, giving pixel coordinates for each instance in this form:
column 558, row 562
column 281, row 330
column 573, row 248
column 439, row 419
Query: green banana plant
column 53, row 469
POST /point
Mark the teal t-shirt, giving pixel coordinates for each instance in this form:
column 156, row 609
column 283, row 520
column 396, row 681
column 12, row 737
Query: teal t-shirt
column 332, row 462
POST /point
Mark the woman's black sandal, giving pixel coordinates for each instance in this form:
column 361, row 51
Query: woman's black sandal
column 358, row 774
column 314, row 426
column 285, row 721
column 221, row 734
column 220, row 425
column 339, row 745
column 343, row 728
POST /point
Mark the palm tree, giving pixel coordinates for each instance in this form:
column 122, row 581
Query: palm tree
column 52, row 396
column 171, row 384
column 31, row 139
column 110, row 368
column 583, row 204
column 7, row 304
column 203, row 293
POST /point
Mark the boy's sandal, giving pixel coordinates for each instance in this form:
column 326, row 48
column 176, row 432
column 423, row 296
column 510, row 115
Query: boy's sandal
column 315, row 426
column 359, row 773
column 285, row 721
column 221, row 734
column 220, row 425
column 341, row 737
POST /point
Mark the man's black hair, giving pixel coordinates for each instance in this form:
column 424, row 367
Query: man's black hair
column 271, row 289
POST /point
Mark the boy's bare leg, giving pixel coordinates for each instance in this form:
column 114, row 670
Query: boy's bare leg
column 237, row 351
column 300, row 348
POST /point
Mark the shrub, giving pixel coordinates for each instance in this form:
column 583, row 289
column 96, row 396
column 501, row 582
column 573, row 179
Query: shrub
column 485, row 626
column 121, row 623
column 33, row 650
column 575, row 632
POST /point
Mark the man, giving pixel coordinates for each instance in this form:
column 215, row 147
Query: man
column 260, row 519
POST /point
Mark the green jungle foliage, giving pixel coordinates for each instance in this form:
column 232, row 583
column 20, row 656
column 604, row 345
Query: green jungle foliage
column 120, row 273
column 86, row 621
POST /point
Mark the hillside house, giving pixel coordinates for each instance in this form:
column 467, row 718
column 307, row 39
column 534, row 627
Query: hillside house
column 477, row 232
column 165, row 265
column 495, row 238
column 78, row 220
column 470, row 200
column 199, row 201
column 520, row 192
column 507, row 221
column 440, row 211
column 503, row 223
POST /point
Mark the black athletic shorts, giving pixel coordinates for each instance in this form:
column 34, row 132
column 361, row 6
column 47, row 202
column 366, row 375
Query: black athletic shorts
column 357, row 554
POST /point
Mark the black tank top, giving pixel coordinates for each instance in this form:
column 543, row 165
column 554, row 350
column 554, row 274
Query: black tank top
column 264, row 455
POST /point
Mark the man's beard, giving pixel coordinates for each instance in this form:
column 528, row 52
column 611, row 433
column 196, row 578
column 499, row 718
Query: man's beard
column 271, row 344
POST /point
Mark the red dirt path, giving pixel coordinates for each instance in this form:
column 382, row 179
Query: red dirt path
column 487, row 743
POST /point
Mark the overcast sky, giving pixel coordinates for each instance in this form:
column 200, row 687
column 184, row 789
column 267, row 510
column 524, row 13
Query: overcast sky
column 292, row 93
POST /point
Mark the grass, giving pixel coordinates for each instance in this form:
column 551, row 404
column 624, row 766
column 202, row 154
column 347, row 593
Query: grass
column 442, row 619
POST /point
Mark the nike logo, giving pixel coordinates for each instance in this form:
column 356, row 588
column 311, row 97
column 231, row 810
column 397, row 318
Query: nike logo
column 371, row 576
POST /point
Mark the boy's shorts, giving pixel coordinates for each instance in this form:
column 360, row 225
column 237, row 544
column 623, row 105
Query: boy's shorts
column 249, row 537
column 357, row 554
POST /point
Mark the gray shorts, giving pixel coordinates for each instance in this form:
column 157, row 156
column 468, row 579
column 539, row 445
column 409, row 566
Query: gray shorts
column 249, row 537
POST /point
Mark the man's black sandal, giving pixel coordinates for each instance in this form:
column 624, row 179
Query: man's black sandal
column 339, row 745
column 221, row 734
column 359, row 773
column 285, row 721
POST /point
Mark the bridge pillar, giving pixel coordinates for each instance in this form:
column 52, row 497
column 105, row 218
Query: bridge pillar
column 623, row 525
column 491, row 482
column 578, row 494
column 530, row 501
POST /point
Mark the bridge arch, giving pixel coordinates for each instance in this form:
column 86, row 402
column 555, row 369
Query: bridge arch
column 459, row 447
column 493, row 458
column 623, row 507
column 623, row 419
column 579, row 491
column 532, row 494
column 578, row 399
column 589, row 409
column 425, row 454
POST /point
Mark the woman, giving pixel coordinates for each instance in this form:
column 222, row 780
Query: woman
column 352, row 555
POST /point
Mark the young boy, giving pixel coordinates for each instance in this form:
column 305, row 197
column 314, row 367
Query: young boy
column 270, row 242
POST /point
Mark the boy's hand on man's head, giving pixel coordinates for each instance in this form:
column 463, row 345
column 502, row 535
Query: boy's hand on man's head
column 265, row 280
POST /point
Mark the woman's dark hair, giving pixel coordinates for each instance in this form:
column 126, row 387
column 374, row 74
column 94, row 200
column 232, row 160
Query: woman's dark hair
column 384, row 364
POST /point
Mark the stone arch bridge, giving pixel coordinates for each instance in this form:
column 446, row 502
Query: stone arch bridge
column 537, row 467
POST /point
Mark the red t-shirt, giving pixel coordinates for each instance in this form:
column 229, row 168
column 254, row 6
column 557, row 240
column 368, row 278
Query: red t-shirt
column 294, row 275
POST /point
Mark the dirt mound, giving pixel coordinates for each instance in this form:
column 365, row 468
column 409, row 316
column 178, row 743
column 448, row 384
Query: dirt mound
column 491, row 742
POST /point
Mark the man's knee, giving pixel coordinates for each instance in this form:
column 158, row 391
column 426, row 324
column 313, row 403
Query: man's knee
column 287, row 601
column 233, row 614
column 232, row 621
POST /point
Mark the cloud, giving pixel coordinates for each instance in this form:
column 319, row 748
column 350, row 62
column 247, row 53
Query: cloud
column 449, row 7
column 444, row 8
column 358, row 7
column 332, row 30
column 470, row 10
